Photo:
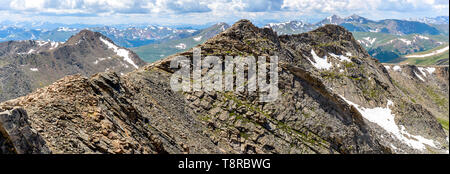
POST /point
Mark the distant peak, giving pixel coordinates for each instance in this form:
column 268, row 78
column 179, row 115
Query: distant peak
column 85, row 32
column 354, row 16
column 221, row 23
column 243, row 25
column 246, row 29
column 335, row 17
column 84, row 35
column 243, row 22
column 336, row 30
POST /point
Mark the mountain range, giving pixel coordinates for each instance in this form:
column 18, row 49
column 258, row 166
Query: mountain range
column 355, row 23
column 387, row 40
column 125, row 36
column 438, row 20
column 333, row 98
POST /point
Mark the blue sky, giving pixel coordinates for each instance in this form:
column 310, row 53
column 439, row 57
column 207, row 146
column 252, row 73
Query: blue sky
column 208, row 11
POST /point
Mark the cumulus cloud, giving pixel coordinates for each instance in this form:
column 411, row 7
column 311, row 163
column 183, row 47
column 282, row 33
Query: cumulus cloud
column 78, row 6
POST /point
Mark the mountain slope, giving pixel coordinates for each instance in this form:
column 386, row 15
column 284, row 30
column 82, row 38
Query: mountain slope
column 154, row 52
column 435, row 56
column 319, row 109
column 28, row 65
column 425, row 85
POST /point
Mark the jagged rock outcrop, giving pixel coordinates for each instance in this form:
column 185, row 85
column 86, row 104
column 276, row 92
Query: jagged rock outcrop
column 334, row 98
column 17, row 136
column 99, row 115
column 28, row 65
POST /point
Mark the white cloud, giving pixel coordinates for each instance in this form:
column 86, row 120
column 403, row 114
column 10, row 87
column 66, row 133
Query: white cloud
column 355, row 6
column 92, row 7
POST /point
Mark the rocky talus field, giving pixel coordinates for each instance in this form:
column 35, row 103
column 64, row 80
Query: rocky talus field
column 334, row 98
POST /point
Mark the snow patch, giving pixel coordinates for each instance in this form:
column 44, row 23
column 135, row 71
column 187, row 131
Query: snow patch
column 120, row 52
column 41, row 43
column 418, row 76
column 397, row 68
column 421, row 69
column 384, row 118
column 375, row 31
column 429, row 54
column 430, row 70
column 370, row 40
column 340, row 57
column 54, row 45
column 191, row 31
column 100, row 59
column 387, row 67
column 199, row 38
column 406, row 41
column 31, row 51
column 34, row 69
column 422, row 37
column 320, row 63
column 181, row 46
column 363, row 42
column 66, row 29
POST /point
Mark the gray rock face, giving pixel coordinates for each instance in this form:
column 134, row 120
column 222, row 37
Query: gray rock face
column 17, row 136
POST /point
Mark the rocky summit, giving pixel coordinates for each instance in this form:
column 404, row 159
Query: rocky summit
column 334, row 98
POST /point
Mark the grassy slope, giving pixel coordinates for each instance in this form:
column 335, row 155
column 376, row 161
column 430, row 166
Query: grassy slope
column 393, row 53
column 442, row 58
column 381, row 37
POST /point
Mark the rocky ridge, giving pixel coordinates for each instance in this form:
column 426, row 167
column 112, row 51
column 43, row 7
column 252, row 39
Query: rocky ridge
column 28, row 65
